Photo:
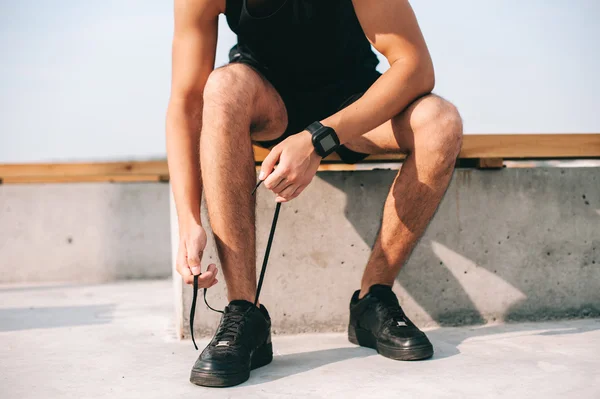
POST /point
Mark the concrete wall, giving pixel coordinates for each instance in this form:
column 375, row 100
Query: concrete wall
column 84, row 232
column 511, row 244
column 514, row 244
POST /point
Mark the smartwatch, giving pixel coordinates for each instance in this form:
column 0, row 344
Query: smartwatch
column 324, row 139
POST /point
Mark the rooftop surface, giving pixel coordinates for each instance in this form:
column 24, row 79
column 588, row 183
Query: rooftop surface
column 118, row 341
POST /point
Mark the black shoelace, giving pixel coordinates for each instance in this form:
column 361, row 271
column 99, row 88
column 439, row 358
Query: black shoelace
column 229, row 325
column 393, row 312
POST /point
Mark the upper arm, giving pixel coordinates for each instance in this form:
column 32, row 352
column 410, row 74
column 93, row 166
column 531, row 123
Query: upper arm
column 392, row 28
column 194, row 47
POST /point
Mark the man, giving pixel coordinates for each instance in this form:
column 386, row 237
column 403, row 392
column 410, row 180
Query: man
column 301, row 63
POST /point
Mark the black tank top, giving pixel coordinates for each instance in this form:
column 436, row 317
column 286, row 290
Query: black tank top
column 305, row 43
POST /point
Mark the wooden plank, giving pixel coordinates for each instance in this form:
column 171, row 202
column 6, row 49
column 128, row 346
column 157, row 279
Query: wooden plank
column 490, row 163
column 83, row 179
column 506, row 146
column 85, row 169
column 550, row 146
column 531, row 146
column 261, row 153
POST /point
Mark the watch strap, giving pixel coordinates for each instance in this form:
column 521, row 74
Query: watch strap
column 314, row 127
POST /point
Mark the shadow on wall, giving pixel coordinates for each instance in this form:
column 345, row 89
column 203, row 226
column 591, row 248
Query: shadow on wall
column 515, row 244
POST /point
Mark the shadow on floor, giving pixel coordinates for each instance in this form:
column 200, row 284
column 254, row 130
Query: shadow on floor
column 41, row 287
column 446, row 342
column 17, row 319
column 296, row 363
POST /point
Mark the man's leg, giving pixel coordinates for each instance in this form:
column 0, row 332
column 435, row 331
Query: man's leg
column 238, row 104
column 430, row 133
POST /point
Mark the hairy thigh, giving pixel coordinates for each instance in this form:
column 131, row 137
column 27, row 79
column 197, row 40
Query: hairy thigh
column 417, row 123
column 238, row 91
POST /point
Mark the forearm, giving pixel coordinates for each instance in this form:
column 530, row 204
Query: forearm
column 395, row 90
column 183, row 140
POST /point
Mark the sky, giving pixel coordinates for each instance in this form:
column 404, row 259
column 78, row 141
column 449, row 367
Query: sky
column 89, row 80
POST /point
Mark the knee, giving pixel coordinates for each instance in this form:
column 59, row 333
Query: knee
column 228, row 86
column 438, row 128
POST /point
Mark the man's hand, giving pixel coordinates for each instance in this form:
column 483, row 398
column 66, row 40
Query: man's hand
column 192, row 242
column 297, row 163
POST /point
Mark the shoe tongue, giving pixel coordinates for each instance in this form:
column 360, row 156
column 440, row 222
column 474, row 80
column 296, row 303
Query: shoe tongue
column 384, row 293
column 239, row 305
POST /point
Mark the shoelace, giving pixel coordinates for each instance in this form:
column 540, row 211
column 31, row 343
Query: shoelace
column 229, row 328
column 229, row 324
column 393, row 312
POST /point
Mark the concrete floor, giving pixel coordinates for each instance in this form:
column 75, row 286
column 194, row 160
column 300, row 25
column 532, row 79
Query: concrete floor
column 118, row 341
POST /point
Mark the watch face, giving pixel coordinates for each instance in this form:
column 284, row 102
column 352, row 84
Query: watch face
column 324, row 139
column 328, row 143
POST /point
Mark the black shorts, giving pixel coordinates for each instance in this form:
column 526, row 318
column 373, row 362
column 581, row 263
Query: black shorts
column 305, row 107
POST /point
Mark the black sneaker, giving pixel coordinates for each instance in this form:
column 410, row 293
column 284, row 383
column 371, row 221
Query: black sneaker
column 377, row 321
column 242, row 343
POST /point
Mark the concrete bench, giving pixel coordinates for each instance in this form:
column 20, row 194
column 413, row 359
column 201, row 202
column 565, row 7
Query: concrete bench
column 506, row 244
column 514, row 244
column 517, row 244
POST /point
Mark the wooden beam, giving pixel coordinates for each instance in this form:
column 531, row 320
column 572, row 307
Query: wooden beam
column 84, row 179
column 261, row 153
column 531, row 146
column 514, row 146
column 490, row 163
column 85, row 169
column 506, row 146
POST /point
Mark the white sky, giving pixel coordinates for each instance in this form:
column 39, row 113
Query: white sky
column 89, row 80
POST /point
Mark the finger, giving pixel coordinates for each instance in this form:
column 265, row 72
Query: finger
column 212, row 267
column 276, row 177
column 204, row 280
column 194, row 255
column 283, row 184
column 288, row 191
column 201, row 283
column 185, row 272
column 188, row 278
column 208, row 275
column 293, row 195
column 181, row 261
column 298, row 191
column 269, row 163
